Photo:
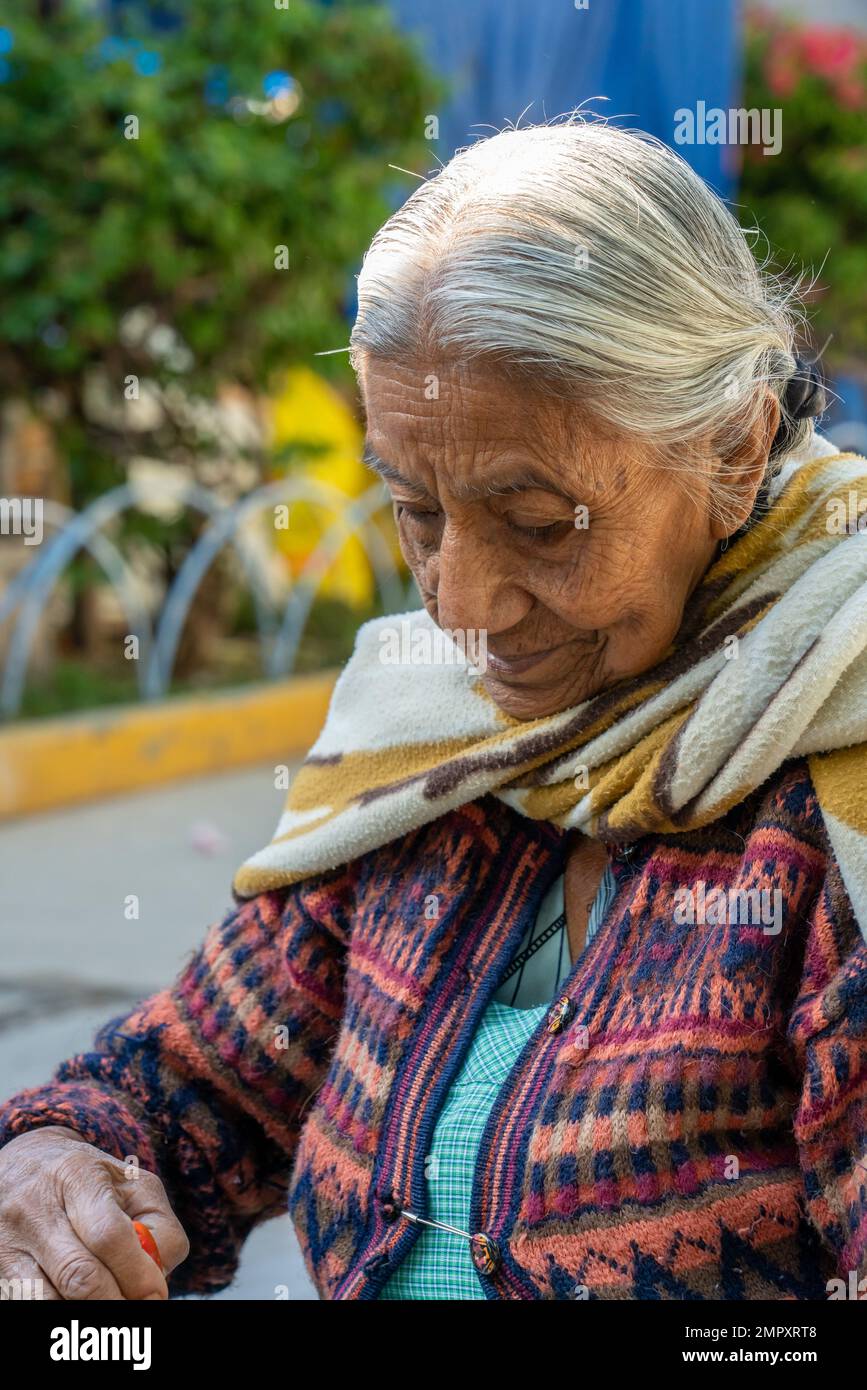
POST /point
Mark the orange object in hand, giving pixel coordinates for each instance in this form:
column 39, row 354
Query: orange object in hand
column 147, row 1242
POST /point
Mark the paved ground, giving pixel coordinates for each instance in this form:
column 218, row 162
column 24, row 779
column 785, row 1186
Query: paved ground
column 71, row 958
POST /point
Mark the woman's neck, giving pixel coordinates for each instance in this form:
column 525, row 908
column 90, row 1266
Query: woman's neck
column 586, row 861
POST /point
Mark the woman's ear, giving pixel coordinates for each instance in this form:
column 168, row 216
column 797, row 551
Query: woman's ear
column 739, row 474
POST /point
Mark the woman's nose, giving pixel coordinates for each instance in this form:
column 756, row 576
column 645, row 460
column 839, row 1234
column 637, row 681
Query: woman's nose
column 476, row 584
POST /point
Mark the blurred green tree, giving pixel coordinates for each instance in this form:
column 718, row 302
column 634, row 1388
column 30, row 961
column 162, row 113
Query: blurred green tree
column 811, row 199
column 185, row 204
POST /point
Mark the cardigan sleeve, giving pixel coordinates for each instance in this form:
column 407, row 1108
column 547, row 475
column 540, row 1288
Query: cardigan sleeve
column 204, row 1083
column 828, row 1031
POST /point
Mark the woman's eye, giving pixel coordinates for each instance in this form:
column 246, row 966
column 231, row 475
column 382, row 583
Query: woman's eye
column 552, row 530
column 416, row 513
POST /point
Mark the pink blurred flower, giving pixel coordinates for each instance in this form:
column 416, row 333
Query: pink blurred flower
column 830, row 52
column 834, row 54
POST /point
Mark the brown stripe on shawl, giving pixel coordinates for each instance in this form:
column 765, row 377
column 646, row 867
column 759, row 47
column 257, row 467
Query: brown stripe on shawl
column 667, row 766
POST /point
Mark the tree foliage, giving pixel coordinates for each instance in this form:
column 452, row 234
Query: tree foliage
column 187, row 219
column 811, row 199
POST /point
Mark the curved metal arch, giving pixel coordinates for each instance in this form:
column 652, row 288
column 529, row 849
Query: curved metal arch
column 301, row 600
column 100, row 547
column 225, row 525
column 37, row 581
column 110, row 560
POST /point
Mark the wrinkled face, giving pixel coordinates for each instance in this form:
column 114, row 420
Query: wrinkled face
column 490, row 486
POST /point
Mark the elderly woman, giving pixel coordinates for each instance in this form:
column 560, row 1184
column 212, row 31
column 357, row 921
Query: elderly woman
column 552, row 983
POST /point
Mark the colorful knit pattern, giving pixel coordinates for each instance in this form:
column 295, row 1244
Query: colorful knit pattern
column 439, row 1265
column 697, row 1131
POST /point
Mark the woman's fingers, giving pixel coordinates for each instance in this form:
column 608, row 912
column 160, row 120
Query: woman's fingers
column 144, row 1199
column 72, row 1269
column 37, row 1222
column 96, row 1213
column 67, row 1212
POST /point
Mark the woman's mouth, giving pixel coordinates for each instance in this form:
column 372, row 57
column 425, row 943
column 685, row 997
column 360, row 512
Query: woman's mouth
column 514, row 665
column 585, row 645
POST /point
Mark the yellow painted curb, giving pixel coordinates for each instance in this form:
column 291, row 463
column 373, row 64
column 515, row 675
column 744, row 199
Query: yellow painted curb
column 46, row 763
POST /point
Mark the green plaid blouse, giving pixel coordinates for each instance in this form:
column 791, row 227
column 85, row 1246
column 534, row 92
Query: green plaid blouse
column 439, row 1265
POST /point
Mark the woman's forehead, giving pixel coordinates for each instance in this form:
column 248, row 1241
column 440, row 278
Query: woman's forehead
column 493, row 476
column 489, row 435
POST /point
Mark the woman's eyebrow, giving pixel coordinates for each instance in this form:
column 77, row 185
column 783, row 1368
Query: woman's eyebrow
column 524, row 480
column 390, row 474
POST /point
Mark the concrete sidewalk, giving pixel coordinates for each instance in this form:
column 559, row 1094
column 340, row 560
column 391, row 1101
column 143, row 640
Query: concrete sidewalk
column 71, row 958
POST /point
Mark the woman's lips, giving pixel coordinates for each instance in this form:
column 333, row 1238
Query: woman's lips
column 514, row 665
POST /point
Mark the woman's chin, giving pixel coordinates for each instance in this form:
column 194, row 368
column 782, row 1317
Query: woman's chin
column 525, row 701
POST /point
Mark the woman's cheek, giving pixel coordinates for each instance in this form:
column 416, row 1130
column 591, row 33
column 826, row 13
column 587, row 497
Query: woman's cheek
column 417, row 551
column 584, row 593
column 563, row 582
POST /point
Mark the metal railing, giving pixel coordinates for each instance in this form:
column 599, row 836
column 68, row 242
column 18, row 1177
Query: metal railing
column 279, row 633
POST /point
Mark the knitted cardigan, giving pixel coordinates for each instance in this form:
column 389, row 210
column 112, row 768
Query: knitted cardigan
column 698, row 1130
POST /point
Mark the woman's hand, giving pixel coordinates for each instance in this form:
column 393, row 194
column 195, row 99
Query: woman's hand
column 66, row 1217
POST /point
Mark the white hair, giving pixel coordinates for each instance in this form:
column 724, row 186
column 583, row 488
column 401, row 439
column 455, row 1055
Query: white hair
column 595, row 262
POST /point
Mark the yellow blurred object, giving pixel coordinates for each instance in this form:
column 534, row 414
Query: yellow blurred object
column 309, row 411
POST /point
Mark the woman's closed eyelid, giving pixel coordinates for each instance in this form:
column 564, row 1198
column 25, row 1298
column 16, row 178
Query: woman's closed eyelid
column 417, row 508
column 519, row 518
column 550, row 531
column 526, row 530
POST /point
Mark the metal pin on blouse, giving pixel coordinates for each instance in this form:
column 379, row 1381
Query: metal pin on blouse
column 484, row 1250
column 440, row 1225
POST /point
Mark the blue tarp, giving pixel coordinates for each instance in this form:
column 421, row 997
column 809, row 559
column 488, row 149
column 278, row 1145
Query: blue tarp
column 648, row 57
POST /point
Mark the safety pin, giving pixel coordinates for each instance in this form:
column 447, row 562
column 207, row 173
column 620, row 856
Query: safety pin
column 440, row 1225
